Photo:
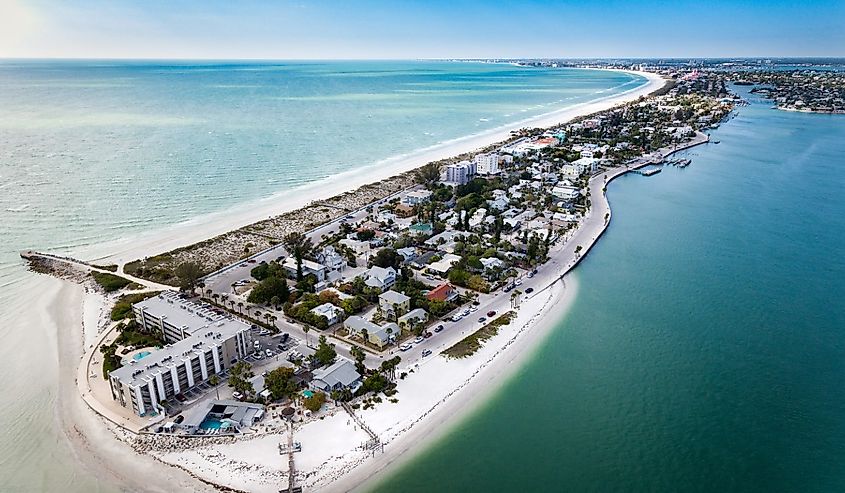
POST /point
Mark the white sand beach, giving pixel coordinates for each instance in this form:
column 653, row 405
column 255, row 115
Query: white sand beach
column 427, row 406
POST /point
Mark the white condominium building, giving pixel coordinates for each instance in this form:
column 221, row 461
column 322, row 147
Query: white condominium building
column 460, row 173
column 202, row 343
column 487, row 164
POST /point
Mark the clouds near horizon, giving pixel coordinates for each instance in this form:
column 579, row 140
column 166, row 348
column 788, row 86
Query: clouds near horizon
column 285, row 29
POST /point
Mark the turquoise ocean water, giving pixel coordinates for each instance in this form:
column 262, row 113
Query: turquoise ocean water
column 92, row 152
column 706, row 348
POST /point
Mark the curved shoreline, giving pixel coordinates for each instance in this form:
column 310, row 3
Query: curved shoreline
column 212, row 224
column 507, row 359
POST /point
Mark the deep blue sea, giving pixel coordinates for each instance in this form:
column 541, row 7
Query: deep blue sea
column 706, row 348
column 97, row 151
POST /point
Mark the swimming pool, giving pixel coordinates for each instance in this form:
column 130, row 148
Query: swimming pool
column 141, row 355
column 211, row 424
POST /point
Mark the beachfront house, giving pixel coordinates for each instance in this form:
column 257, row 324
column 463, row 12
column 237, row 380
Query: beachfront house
column 412, row 319
column 332, row 313
column 341, row 375
column 393, row 304
column 416, row 197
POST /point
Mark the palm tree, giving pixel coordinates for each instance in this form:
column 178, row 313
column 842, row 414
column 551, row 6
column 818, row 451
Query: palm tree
column 364, row 333
column 201, row 286
column 208, row 292
column 214, row 297
column 306, row 329
column 240, row 307
column 389, row 331
column 299, row 246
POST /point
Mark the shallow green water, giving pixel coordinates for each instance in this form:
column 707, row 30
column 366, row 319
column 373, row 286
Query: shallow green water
column 706, row 348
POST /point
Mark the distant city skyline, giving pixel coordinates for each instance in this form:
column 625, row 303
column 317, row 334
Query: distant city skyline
column 365, row 29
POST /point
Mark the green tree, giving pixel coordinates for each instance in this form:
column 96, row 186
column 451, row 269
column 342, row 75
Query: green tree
column 188, row 273
column 325, row 354
column 315, row 402
column 281, row 383
column 428, row 175
column 359, row 356
column 387, row 257
column 299, row 246
column 239, row 376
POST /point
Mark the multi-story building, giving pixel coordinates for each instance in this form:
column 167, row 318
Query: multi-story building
column 202, row 343
column 487, row 164
column 460, row 173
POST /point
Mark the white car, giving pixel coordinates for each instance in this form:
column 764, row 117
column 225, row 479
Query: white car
column 269, row 353
column 405, row 347
column 237, row 395
column 473, row 309
column 456, row 318
column 518, row 282
column 418, row 339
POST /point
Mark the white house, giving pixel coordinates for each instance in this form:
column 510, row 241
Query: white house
column 331, row 259
column 491, row 263
column 380, row 278
column 416, row 197
column 566, row 193
column 443, row 265
column 308, row 267
column 332, row 313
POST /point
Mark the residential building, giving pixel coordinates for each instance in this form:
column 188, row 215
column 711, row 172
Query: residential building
column 492, row 263
column 587, row 165
column 201, row 344
column 341, row 375
column 443, row 265
column 412, row 319
column 379, row 335
column 331, row 259
column 416, row 197
column 487, row 164
column 409, row 254
column 394, row 304
column 380, row 278
column 460, row 173
column 232, row 415
column 566, row 193
column 309, row 267
column 332, row 313
column 443, row 292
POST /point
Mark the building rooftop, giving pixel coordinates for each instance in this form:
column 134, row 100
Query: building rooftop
column 206, row 332
column 342, row 372
column 394, row 297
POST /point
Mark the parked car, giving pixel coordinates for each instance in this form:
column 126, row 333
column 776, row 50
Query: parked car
column 531, row 274
column 473, row 309
column 518, row 282
column 427, row 352
column 482, row 320
column 457, row 317
column 439, row 328
column 237, row 395
column 427, row 334
column 405, row 347
column 418, row 339
column 529, row 290
column 491, row 313
column 269, row 353
column 256, row 345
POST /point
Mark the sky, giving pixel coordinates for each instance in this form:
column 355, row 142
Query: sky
column 409, row 29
